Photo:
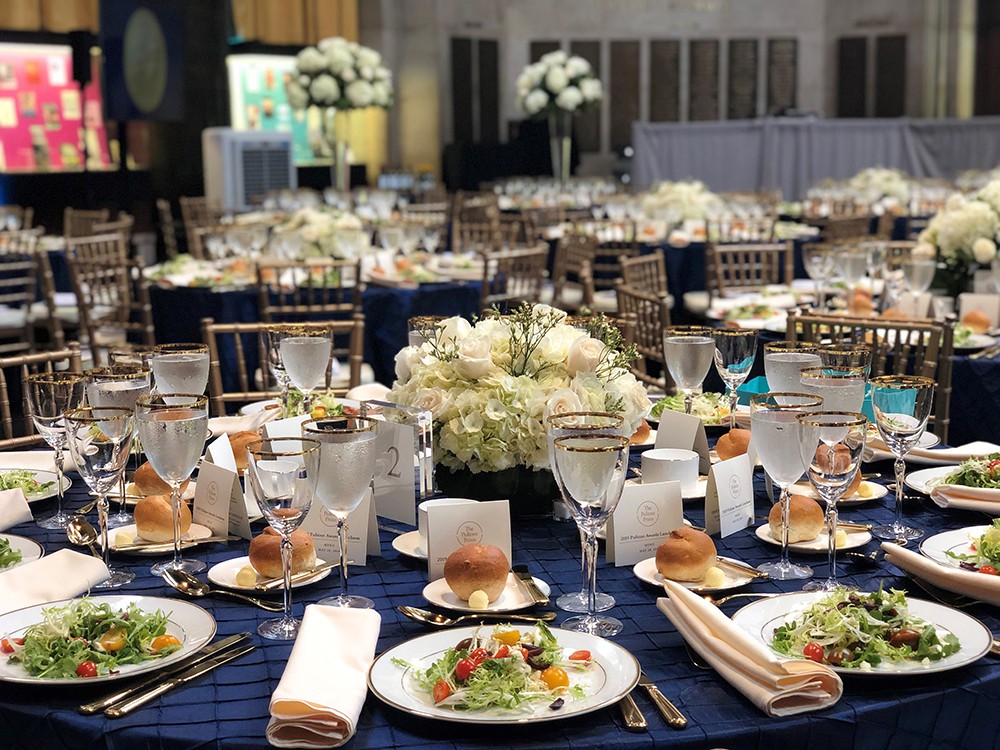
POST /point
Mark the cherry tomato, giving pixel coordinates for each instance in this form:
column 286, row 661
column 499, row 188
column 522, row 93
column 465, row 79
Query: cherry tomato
column 988, row 570
column 994, row 468
column 510, row 637
column 86, row 669
column 555, row 677
column 503, row 652
column 164, row 641
column 113, row 640
column 479, row 655
column 583, row 655
column 7, row 648
column 464, row 668
column 813, row 651
column 441, row 690
column 524, row 653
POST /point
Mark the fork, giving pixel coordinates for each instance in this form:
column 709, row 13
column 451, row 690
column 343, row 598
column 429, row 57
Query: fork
column 950, row 598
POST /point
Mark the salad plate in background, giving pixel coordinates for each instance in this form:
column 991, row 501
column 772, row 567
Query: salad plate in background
column 948, row 547
column 974, row 341
column 713, row 408
column 513, row 597
column 924, row 480
column 12, row 546
column 37, row 484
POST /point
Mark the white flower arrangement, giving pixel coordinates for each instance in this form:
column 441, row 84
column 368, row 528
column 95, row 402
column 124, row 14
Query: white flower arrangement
column 965, row 231
column 318, row 229
column 340, row 74
column 680, row 201
column 875, row 184
column 490, row 386
column 558, row 82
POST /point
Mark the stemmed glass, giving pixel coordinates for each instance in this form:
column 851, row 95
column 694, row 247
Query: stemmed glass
column 271, row 339
column 590, row 469
column 839, row 437
column 819, row 264
column 281, row 473
column 902, row 406
column 784, row 362
column 173, row 428
column 847, row 355
column 778, row 438
column 735, row 352
column 432, row 237
column 578, row 423
column 852, row 263
column 688, row 352
column 305, row 353
column 918, row 273
column 100, row 439
column 49, row 396
column 841, row 388
column 345, row 470
column 180, row 368
column 138, row 355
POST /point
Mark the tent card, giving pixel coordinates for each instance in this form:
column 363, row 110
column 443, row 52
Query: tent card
column 218, row 501
column 729, row 496
column 285, row 428
column 684, row 431
column 645, row 515
column 451, row 526
column 403, row 471
column 220, row 453
column 362, row 531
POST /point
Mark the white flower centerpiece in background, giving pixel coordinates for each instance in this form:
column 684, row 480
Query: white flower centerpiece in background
column 881, row 188
column 319, row 233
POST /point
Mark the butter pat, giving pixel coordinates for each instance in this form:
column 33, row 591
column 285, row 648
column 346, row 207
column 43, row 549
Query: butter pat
column 714, row 578
column 247, row 577
column 479, row 599
column 865, row 490
column 123, row 538
column 840, row 540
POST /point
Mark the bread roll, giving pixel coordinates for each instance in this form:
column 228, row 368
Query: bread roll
column 477, row 566
column 733, row 443
column 641, row 434
column 686, row 555
column 240, row 441
column 841, row 460
column 805, row 519
column 853, row 487
column 265, row 552
column 976, row 321
column 154, row 518
column 859, row 302
column 147, row 481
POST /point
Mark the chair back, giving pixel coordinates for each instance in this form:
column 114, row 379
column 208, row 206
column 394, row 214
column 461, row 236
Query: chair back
column 647, row 316
column 19, row 276
column 195, row 213
column 317, row 289
column 168, row 227
column 511, row 277
column 607, row 259
column 80, row 223
column 572, row 272
column 18, row 429
column 845, row 228
column 647, row 273
column 733, row 269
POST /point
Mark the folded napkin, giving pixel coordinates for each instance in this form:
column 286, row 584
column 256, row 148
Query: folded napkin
column 61, row 575
column 38, row 460
column 967, row 498
column 777, row 686
column 941, row 456
column 968, row 582
column 13, row 509
column 242, row 423
column 319, row 698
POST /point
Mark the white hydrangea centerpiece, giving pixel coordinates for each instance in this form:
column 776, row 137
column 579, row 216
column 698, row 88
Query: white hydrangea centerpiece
column 318, row 229
column 882, row 188
column 558, row 83
column 680, row 201
column 340, row 74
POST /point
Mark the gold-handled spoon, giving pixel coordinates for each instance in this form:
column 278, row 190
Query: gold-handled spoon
column 191, row 586
column 82, row 533
column 441, row 621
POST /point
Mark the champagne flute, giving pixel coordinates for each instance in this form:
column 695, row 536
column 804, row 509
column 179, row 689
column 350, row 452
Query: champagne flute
column 902, row 406
column 305, row 353
column 688, row 352
column 841, row 388
column 590, row 469
column 735, row 351
column 100, row 439
column 281, row 474
column 49, row 396
column 576, row 423
column 839, row 437
column 784, row 361
column 778, row 438
column 173, row 428
column 180, row 368
column 345, row 470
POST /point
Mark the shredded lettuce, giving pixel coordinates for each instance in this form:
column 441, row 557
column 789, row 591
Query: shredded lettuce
column 713, row 408
column 323, row 399
column 986, row 545
column 24, row 480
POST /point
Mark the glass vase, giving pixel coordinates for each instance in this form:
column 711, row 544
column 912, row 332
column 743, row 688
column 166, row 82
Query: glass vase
column 335, row 129
column 560, row 142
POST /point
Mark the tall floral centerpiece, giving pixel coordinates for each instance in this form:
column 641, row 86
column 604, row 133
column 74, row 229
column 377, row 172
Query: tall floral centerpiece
column 336, row 76
column 557, row 87
column 882, row 187
column 680, row 201
column 320, row 233
column 489, row 387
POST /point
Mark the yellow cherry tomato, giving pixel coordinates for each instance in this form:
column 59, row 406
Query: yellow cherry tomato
column 113, row 640
column 509, row 637
column 164, row 641
column 555, row 677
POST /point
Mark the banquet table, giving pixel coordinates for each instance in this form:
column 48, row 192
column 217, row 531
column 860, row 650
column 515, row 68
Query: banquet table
column 229, row 707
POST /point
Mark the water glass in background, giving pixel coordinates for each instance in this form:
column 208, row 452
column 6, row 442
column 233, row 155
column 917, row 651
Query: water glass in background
column 688, row 352
column 784, row 362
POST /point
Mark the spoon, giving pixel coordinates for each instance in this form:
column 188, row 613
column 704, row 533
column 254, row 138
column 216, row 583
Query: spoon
column 441, row 621
column 82, row 533
column 722, row 600
column 188, row 584
column 860, row 558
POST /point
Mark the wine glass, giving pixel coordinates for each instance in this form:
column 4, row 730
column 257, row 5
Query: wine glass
column 100, row 438
column 173, row 428
column 180, row 368
column 841, row 388
column 590, row 469
column 877, row 253
column 847, row 355
column 902, row 406
column 852, row 264
column 49, row 396
column 735, row 352
column 281, row 473
column 432, row 237
column 576, row 423
column 412, row 234
column 839, row 440
column 688, row 352
column 390, row 236
column 305, row 353
column 271, row 341
column 778, row 438
column 345, row 470
column 819, row 264
column 918, row 273
column 784, row 362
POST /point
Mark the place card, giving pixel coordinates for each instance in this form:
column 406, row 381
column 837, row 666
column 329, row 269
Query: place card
column 220, row 453
column 404, row 470
column 218, row 501
column 285, row 428
column 729, row 496
column 362, row 532
column 645, row 515
column 685, row 431
column 449, row 526
column 988, row 304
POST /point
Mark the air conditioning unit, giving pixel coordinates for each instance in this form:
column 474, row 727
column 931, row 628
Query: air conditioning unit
column 242, row 166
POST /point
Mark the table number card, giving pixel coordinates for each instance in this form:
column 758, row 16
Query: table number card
column 362, row 531
column 645, row 515
column 729, row 496
column 219, row 502
column 684, row 431
column 451, row 526
column 404, row 472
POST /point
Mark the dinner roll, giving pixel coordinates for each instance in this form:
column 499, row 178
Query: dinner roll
column 240, row 441
column 154, row 518
column 477, row 566
column 265, row 552
column 686, row 555
column 641, row 435
column 805, row 519
column 148, row 482
column 859, row 302
column 733, row 443
column 976, row 321
column 841, row 460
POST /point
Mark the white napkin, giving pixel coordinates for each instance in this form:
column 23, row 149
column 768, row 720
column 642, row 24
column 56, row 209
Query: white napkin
column 967, row 498
column 777, row 686
column 14, row 509
column 61, row 575
column 319, row 698
column 242, row 422
column 941, row 456
column 969, row 582
column 37, row 460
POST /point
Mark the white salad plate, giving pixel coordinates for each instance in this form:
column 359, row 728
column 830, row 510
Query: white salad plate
column 513, row 598
column 409, row 544
column 645, row 570
column 956, row 541
column 760, row 618
column 42, row 477
column 976, row 341
column 877, row 491
column 189, row 623
column 224, row 574
column 924, row 480
column 29, row 549
column 927, row 440
column 196, row 532
column 258, row 406
column 612, row 675
column 819, row 544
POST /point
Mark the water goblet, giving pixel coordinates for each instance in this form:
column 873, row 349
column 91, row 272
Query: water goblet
column 432, row 238
column 305, row 354
column 688, row 352
column 345, row 470
column 390, row 237
column 784, row 362
column 902, row 406
column 852, row 263
column 918, row 273
column 271, row 341
column 281, row 474
column 819, row 264
column 778, row 438
column 839, row 440
column 412, row 235
column 841, row 388
column 173, row 428
column 847, row 355
column 180, row 368
column 735, row 352
column 49, row 396
column 137, row 355
column 100, row 439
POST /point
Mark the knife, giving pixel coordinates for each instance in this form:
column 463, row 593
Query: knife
column 744, row 569
column 125, row 707
column 668, row 710
column 522, row 574
column 632, row 715
column 169, row 546
column 270, row 584
column 848, row 526
column 206, row 652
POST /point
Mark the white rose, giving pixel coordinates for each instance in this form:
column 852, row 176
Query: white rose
column 347, row 221
column 577, row 66
column 369, row 58
column 562, row 401
column 537, row 73
column 407, row 359
column 584, row 356
column 360, row 93
column 524, row 83
column 456, row 327
column 569, row 98
column 474, row 360
column 429, row 399
column 298, row 97
column 332, row 41
column 955, row 202
column 554, row 58
column 383, row 93
column 984, row 250
column 367, row 72
column 556, row 79
column 310, row 60
column 324, row 89
column 924, row 250
column 535, row 102
column 310, row 233
column 591, row 89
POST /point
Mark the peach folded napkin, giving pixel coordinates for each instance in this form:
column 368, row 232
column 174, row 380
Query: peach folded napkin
column 968, row 582
column 319, row 698
column 967, row 498
column 940, row 456
column 777, row 686
column 61, row 575
column 242, row 423
column 14, row 509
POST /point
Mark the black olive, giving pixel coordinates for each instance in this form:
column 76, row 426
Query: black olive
column 463, row 645
column 904, row 637
column 838, row 656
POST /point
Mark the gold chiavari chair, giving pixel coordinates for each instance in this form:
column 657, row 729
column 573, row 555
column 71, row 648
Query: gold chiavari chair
column 572, row 274
column 80, row 223
column 317, row 289
column 647, row 315
column 168, row 227
column 746, row 268
column 513, row 276
column 18, row 428
column 647, row 273
column 18, row 287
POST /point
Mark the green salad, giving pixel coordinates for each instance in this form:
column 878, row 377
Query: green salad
column 978, row 471
column 986, row 551
column 323, row 404
column 962, row 335
column 88, row 638
column 856, row 630
column 24, row 480
column 8, row 555
column 749, row 312
column 713, row 408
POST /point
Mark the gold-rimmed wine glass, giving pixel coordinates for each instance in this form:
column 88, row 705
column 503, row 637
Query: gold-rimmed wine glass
column 271, row 339
column 841, row 388
column 306, row 352
column 783, row 363
column 180, row 368
column 735, row 352
column 688, row 352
